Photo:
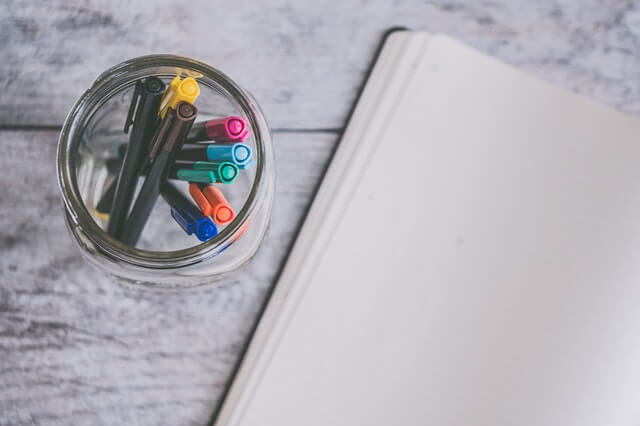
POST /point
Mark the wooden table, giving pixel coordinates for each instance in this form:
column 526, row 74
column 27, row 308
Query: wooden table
column 77, row 347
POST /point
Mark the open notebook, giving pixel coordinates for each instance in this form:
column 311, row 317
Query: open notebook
column 471, row 258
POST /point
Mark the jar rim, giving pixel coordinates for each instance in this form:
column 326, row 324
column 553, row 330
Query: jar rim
column 111, row 81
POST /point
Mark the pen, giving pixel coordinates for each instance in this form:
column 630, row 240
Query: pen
column 237, row 153
column 227, row 129
column 212, row 203
column 168, row 140
column 145, row 103
column 187, row 215
column 179, row 90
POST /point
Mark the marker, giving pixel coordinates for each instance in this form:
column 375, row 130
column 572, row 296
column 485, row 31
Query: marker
column 179, row 90
column 237, row 153
column 227, row 129
column 187, row 215
column 222, row 212
column 145, row 103
column 168, row 140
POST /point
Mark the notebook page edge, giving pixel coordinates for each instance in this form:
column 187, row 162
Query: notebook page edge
column 367, row 106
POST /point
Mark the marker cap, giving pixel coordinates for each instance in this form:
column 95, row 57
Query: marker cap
column 222, row 211
column 241, row 153
column 227, row 129
column 204, row 176
column 225, row 172
column 237, row 153
column 205, row 207
column 154, row 85
column 179, row 90
column 192, row 223
column 204, row 228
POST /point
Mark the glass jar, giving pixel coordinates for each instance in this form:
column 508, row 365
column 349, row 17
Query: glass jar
column 166, row 256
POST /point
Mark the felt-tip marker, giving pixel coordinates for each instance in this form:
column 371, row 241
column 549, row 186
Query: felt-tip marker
column 143, row 116
column 188, row 216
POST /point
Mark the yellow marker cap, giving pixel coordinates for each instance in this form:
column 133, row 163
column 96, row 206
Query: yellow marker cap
column 179, row 90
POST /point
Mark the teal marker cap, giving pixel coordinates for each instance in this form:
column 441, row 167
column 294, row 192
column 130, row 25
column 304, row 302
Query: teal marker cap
column 201, row 176
column 237, row 153
column 226, row 172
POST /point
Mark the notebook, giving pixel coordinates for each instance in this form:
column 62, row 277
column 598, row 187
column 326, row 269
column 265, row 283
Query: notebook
column 472, row 257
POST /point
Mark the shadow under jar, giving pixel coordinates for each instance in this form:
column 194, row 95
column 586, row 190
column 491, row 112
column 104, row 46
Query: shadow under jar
column 165, row 256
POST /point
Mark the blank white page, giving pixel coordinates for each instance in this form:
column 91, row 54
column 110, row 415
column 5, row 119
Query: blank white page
column 481, row 268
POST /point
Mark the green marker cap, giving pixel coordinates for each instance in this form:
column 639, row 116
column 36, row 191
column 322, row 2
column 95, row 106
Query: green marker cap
column 227, row 172
column 201, row 176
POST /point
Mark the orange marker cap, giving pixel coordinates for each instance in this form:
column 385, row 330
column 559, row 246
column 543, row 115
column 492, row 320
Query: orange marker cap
column 205, row 207
column 222, row 211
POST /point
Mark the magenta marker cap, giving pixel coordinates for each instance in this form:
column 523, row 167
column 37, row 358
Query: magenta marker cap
column 228, row 129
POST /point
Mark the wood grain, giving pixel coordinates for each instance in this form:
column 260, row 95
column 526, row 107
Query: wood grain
column 304, row 61
column 78, row 348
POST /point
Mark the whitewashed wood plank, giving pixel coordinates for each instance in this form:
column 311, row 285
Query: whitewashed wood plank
column 304, row 60
column 78, row 348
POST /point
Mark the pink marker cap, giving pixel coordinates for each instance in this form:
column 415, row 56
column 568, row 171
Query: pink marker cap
column 227, row 129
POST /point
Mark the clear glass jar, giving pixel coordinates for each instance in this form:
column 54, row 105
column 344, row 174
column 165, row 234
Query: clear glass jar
column 165, row 256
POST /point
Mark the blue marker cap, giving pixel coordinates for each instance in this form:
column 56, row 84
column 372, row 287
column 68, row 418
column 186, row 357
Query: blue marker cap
column 237, row 153
column 205, row 229
column 193, row 222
